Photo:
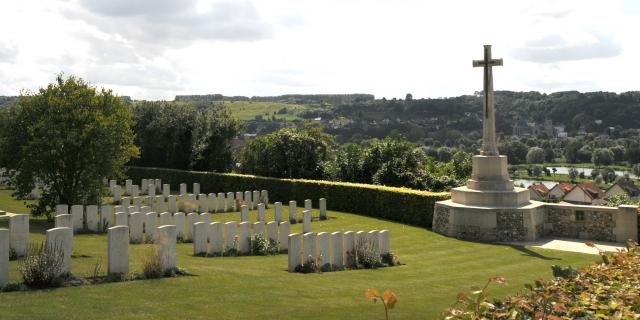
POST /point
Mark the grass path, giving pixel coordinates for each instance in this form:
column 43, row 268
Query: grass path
column 436, row 269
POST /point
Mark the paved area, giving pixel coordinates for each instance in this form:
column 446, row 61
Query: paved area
column 572, row 245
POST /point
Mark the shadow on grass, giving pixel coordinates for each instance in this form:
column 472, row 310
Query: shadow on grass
column 528, row 252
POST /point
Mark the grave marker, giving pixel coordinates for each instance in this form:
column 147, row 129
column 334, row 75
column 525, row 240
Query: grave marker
column 118, row 250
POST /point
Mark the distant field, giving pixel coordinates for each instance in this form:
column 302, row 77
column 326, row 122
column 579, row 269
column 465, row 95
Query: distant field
column 248, row 110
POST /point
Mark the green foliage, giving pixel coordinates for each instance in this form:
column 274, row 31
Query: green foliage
column 602, row 157
column 610, row 290
column 566, row 272
column 535, row 155
column 181, row 136
column 287, row 153
column 636, row 169
column 262, row 246
column 41, row 267
column 619, row 199
column 367, row 255
column 13, row 286
column 67, row 136
column 573, row 174
column 152, row 262
column 309, row 265
column 404, row 205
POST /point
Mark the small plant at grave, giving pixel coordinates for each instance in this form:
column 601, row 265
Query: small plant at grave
column 234, row 250
column 310, row 265
column 325, row 267
column 13, row 255
column 367, row 256
column 152, row 262
column 388, row 300
column 42, row 266
column 351, row 260
column 97, row 269
column 261, row 246
column 293, row 221
column 13, row 286
column 186, row 206
column 390, row 259
column 105, row 227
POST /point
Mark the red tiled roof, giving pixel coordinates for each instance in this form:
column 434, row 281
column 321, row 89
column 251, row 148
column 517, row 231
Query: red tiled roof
column 566, row 186
column 540, row 188
column 592, row 190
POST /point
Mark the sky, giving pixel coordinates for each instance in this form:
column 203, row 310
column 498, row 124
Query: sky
column 156, row 49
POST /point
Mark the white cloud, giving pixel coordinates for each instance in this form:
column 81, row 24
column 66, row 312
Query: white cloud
column 157, row 49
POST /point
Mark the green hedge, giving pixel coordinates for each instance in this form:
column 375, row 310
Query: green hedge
column 404, row 205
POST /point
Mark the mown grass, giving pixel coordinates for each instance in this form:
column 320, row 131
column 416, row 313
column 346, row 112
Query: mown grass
column 435, row 269
column 248, row 110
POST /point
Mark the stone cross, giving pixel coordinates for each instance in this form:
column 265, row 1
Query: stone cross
column 489, row 145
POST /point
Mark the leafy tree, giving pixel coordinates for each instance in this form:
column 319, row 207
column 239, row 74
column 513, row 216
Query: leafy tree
column 462, row 164
column 212, row 140
column 602, row 157
column 636, row 169
column 571, row 151
column 535, row 155
column 68, row 136
column 515, row 150
column 288, row 153
column 537, row 171
column 573, row 174
column 618, row 153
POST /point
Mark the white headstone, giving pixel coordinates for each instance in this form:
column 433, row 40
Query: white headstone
column 172, row 204
column 165, row 218
column 278, row 212
column 230, row 202
column 112, row 183
column 19, row 233
column 135, row 190
column 385, row 245
column 127, row 185
column 202, row 202
column 113, row 214
column 77, row 211
column 151, row 190
column 255, row 199
column 309, row 250
column 230, row 235
column 306, row 221
column 4, row 257
column 105, row 217
column 212, row 202
column 220, row 202
column 272, row 230
column 137, row 202
column 116, row 191
column 61, row 239
column 284, row 229
column 261, row 212
column 239, row 196
column 118, row 252
column 293, row 217
column 166, row 190
column 144, row 184
column 244, row 213
column 295, row 247
column 324, row 251
column 349, row 247
column 125, row 202
column 122, row 219
column 244, row 235
column 131, row 209
column 308, row 205
column 247, row 198
column 64, row 221
column 216, row 238
column 337, row 250
column 323, row 209
column 166, row 241
column 205, row 217
column 196, row 188
column 145, row 209
column 62, row 209
column 158, row 184
column 192, row 203
column 136, row 220
column 183, row 188
column 158, row 203
column 200, row 234
column 258, row 228
column 264, row 197
column 150, row 225
column 374, row 240
column 361, row 238
column 192, row 218
column 93, row 223
column 179, row 219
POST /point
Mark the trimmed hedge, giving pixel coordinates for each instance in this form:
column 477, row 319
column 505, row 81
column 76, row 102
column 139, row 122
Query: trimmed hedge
column 404, row 205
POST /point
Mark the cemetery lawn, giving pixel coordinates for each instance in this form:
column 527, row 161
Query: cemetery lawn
column 248, row 110
column 435, row 269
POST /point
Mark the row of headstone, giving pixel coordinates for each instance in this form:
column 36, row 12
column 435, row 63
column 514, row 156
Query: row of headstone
column 332, row 249
column 217, row 238
column 81, row 217
column 15, row 238
column 147, row 186
column 308, row 207
column 118, row 247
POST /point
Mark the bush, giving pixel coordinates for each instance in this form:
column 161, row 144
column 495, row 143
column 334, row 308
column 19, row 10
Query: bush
column 308, row 266
column 42, row 266
column 152, row 263
column 12, row 286
column 367, row 256
column 403, row 205
column 261, row 246
column 608, row 290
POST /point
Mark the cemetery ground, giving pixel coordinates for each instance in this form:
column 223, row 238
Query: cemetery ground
column 435, row 269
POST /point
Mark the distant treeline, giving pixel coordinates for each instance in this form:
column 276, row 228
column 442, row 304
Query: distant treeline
column 289, row 98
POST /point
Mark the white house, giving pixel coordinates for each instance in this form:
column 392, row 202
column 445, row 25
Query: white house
column 585, row 193
column 623, row 186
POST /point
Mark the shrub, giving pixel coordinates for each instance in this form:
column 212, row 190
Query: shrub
column 367, row 256
column 390, row 259
column 152, row 262
column 234, row 250
column 13, row 255
column 403, row 205
column 607, row 290
column 310, row 265
column 42, row 266
column 12, row 286
column 261, row 246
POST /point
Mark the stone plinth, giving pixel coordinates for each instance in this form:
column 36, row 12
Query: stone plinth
column 491, row 198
